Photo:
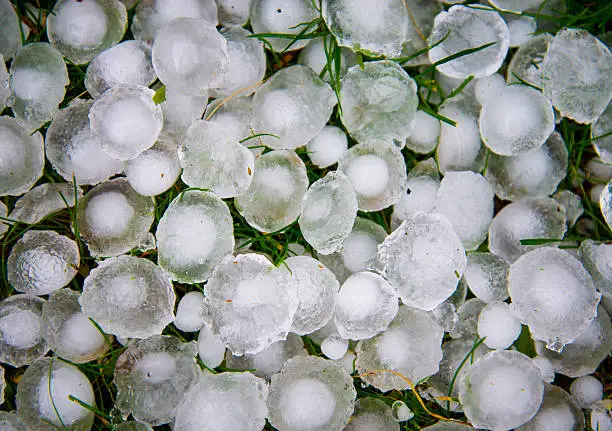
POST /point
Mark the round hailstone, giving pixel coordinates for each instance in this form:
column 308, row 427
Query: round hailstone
column 379, row 102
column 194, row 235
column 10, row 35
column 44, row 200
column 273, row 201
column 233, row 12
column 525, row 63
column 410, row 346
column 372, row 414
column 11, row 421
column 498, row 326
column 293, row 105
column 365, row 306
column 559, row 411
column 126, row 63
column 210, row 349
column 129, row 297
column 155, row 170
column 317, row 289
column 311, row 393
column 188, row 318
column 74, row 151
column 190, row 56
column 597, row 170
column 420, row 191
column 229, row 401
column 525, row 219
column 587, row 390
column 43, row 396
column 152, row 377
column 534, row 173
column 489, row 87
column 113, row 219
column 467, row 319
column 328, row 212
column 401, row 412
column 327, row 147
column 21, row 334
column 180, row 110
column 466, row 200
column 377, row 172
column 486, row 276
column 315, row 57
column 126, row 121
column 465, row 28
column 597, row 259
column 521, row 29
column 423, row 259
column 334, row 347
column 425, row 133
column 601, row 127
column 41, row 262
column 250, row 304
column 553, row 294
column 82, row 29
column 605, row 203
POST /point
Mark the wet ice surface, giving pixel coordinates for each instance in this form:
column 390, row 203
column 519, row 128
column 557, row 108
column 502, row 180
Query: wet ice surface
column 486, row 275
column 5, row 91
column 515, row 5
column 498, row 326
column 11, row 422
column 233, row 12
column 558, row 411
column 600, row 416
column 180, row 110
column 155, row 170
column 10, row 36
column 327, row 147
column 597, row 260
column 605, row 203
column 601, row 127
column 421, row 191
column 313, row 56
column 188, row 318
column 211, row 350
column 587, row 390
column 44, row 200
column 372, row 414
column 525, row 63
column 425, row 133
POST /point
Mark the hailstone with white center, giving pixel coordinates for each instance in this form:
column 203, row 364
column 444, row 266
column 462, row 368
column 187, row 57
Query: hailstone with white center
column 559, row 411
column 316, row 54
column 45, row 200
column 425, row 133
column 211, row 350
column 587, row 390
column 498, row 326
column 420, row 191
column 334, row 347
column 155, row 170
column 327, row 147
column 188, row 317
column 487, row 276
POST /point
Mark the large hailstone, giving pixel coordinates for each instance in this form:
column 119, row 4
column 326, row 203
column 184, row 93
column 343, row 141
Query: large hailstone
column 129, row 297
column 525, row 63
column 44, row 200
column 559, row 411
column 601, row 127
column 10, row 35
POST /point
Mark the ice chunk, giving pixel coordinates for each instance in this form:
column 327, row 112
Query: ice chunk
column 210, row 349
column 559, row 411
column 44, row 200
column 489, row 87
column 10, row 35
column 421, row 189
column 401, row 412
column 515, row 5
column 601, row 419
column 316, row 55
column 327, row 147
column 587, row 390
column 372, row 414
column 180, row 110
column 605, row 203
column 334, row 347
column 21, row 158
column 129, row 297
column 525, row 63
column 467, row 320
column 601, row 127
column 424, row 136
column 11, row 421
column 155, row 170
column 233, row 12
column 597, row 259
column 498, row 326
column 188, row 318
column 486, row 275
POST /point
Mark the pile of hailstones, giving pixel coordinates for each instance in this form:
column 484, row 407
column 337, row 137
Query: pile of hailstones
column 372, row 300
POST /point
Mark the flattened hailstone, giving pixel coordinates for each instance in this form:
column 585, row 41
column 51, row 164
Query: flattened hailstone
column 424, row 136
column 10, row 35
column 598, row 171
column 334, row 347
column 466, row 28
column 294, row 105
column 5, row 91
column 410, row 346
column 377, row 172
column 421, row 190
column 317, row 289
column 423, row 259
column 233, row 12
column 152, row 376
column 155, row 170
column 516, row 5
column 314, row 57
column 21, row 333
column 249, row 303
column 73, row 149
column 605, row 203
column 327, row 147
column 488, row 87
column 211, row 160
column 210, row 349
column 113, row 219
column 601, row 127
column 527, row 218
column 10, row 421
column 366, row 305
column 126, row 121
column 180, row 110
column 587, row 390
column 230, row 401
column 274, row 198
column 486, row 275
column 553, row 294
column 525, row 63
column 601, row 419
column 597, row 259
column 372, row 414
column 126, row 63
column 466, row 200
column 559, row 411
column 129, row 297
column 43, row 396
column 21, row 158
column 498, row 326
column 44, row 200
column 328, row 212
column 534, row 173
column 467, row 319
column 379, row 102
column 207, row 58
column 188, row 318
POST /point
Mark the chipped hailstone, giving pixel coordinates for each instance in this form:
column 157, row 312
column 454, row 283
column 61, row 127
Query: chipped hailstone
column 572, row 203
column 126, row 121
column 113, row 219
column 463, row 28
column 311, row 393
column 372, row 414
column 601, row 127
column 10, row 35
column 553, row 294
column 425, row 133
column 21, row 334
column 605, row 203
column 210, row 349
column 587, row 390
column 293, row 105
column 365, row 306
column 410, row 346
column 180, row 110
column 274, row 198
column 377, row 172
column 315, row 57
column 420, row 191
column 334, row 347
column 498, row 326
column 328, row 212
column 73, row 149
column 379, row 102
column 525, row 63
column 249, row 303
column 69, row 332
column 41, row 262
column 44, row 200
column 152, row 376
column 155, row 170
column 317, row 289
column 233, row 12
column 575, row 75
column 129, row 297
column 21, row 158
column 5, row 91
column 10, row 421
column 126, row 63
column 43, row 396
column 423, row 259
column 188, row 318
column 466, row 200
column 229, row 401
column 327, row 147
column 597, row 259
column 525, row 219
column 486, row 275
column 205, row 64
column 559, row 411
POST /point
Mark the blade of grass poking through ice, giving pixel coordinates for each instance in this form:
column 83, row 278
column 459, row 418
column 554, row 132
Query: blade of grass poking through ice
column 456, row 56
column 477, row 343
column 333, row 65
column 51, row 397
column 521, row 81
column 257, row 135
column 101, row 415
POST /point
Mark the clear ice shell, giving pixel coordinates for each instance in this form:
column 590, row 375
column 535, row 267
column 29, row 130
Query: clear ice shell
column 372, row 414
column 210, row 349
column 180, row 110
column 572, row 204
column 487, row 276
column 10, row 35
column 601, row 127
column 559, row 411
column 233, row 12
column 188, row 317
column 44, row 200
column 467, row 319
column 327, row 147
column 155, row 170
column 605, row 203
column 525, row 63
column 516, row 5
column 425, row 134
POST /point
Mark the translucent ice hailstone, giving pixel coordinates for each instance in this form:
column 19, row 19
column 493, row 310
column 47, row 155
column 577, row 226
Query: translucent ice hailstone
column 372, row 414
column 420, row 191
column 113, row 219
column 489, row 86
column 3, row 226
column 553, row 294
column 597, row 259
column 42, row 261
column 180, row 110
column 10, row 35
column 600, row 415
column 5, row 91
column 129, row 297
column 326, row 148
column 155, row 170
column 601, row 127
column 379, row 102
column 525, row 63
column 194, row 235
column 447, row 425
column 467, row 28
column 572, row 204
column 133, row 425
column 334, row 347
column 587, row 390
column 126, row 121
column 44, row 200
column 21, row 333
column 315, row 57
column 210, row 349
column 188, row 318
column 559, row 411
column 424, row 136
column 546, row 368
column 521, row 29
column 126, row 63
column 43, row 396
column 486, row 275
column 21, row 158
column 605, row 203
column 515, row 5
column 233, row 12
column 498, row 326
column 294, row 105
column 80, row 30
column 467, row 319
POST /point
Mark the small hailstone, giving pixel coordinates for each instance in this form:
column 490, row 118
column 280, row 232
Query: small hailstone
column 424, row 136
column 525, row 62
column 327, row 147
column 489, row 86
column 546, row 368
column 486, row 275
column 603, row 145
column 44, row 200
column 605, row 203
column 2, row 387
column 10, row 35
column 133, row 425
column 188, row 318
column 180, row 110
column 601, row 416
column 233, row 12
column 372, row 414
column 210, row 349
column 597, row 170
column 559, row 411
column 334, row 347
column 596, row 192
column 420, row 191
column 498, row 326
column 447, row 425
column 401, row 412
column 521, row 28
column 315, row 57
column 155, row 170
column 467, row 321
column 587, row 390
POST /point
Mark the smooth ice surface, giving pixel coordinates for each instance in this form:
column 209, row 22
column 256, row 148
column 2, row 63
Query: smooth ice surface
column 188, row 318
column 521, row 28
column 601, row 127
column 525, row 63
column 597, row 170
column 587, row 390
column 155, row 170
column 605, row 203
column 515, row 5
column 559, row 411
column 234, row 117
column 546, row 368
column 572, row 204
column 10, row 36
column 3, row 226
column 334, row 347
column 486, row 275
column 467, row 319
column 600, row 416
column 180, row 110
column 133, row 426
column 597, row 259
column 210, row 349
column 5, row 91
column 401, row 412
column 233, row 12
column 314, row 56
column 372, row 414
column 498, row 325
column 488, row 87
column 44, row 200
column 425, row 133
column 420, row 191
column 326, row 148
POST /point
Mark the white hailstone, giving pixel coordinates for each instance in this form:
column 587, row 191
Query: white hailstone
column 334, row 347
column 347, row 361
column 5, row 91
column 372, row 414
column 498, row 326
column 587, row 390
column 420, row 194
column 515, row 5
column 233, row 12
column 315, row 55
column 401, row 412
column 489, row 87
column 327, row 147
column 155, row 170
column 596, row 192
column 601, row 419
column 11, row 421
column 603, row 145
column 525, row 63
column 559, row 411
column 180, row 110
column 605, row 203
column 21, row 158
column 597, row 170
column 467, row 319
column 572, row 204
column 521, row 28
column 597, row 259
column 486, row 275
column 424, row 136
column 44, row 200
column 234, row 117
column 546, row 368
column 210, row 349
column 10, row 35
column 188, row 317
column 447, row 425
